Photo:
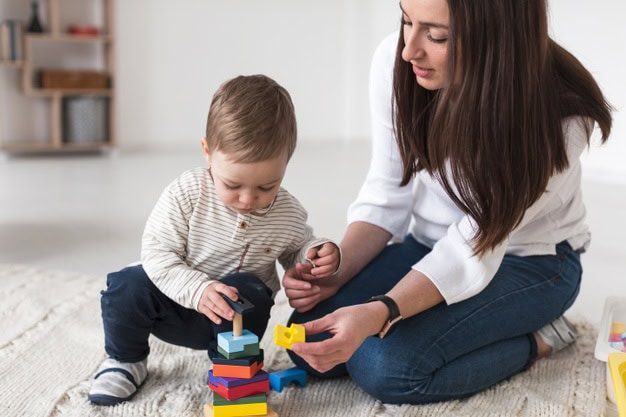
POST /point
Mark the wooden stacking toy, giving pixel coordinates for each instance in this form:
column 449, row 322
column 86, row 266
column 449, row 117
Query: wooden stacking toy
column 237, row 379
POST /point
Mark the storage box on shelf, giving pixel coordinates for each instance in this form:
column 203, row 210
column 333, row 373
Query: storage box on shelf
column 75, row 97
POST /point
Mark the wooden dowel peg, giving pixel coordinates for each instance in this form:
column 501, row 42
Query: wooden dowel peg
column 237, row 325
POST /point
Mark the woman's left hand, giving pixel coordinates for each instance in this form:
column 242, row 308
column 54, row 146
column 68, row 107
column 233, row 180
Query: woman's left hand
column 350, row 326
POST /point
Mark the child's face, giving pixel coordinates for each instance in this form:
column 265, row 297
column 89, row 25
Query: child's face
column 246, row 187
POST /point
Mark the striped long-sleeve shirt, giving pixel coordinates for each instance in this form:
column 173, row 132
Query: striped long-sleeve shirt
column 192, row 239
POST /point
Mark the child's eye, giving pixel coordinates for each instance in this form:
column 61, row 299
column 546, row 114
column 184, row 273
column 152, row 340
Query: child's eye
column 267, row 189
column 231, row 187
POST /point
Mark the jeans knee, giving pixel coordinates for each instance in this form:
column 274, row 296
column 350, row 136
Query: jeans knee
column 384, row 376
column 367, row 370
column 126, row 288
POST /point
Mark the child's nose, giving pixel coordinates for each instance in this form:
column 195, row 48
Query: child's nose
column 246, row 197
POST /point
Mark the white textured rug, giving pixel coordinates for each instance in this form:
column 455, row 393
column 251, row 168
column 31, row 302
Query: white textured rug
column 51, row 342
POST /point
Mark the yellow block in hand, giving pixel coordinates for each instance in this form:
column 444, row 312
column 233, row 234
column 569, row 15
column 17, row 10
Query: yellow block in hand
column 285, row 336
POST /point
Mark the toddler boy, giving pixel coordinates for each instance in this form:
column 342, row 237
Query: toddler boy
column 214, row 232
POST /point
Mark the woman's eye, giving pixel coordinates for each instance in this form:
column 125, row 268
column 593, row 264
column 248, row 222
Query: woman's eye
column 405, row 21
column 435, row 40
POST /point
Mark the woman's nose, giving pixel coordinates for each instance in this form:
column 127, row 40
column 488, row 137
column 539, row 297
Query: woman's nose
column 413, row 48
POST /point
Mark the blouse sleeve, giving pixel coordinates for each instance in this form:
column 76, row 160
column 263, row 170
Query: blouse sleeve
column 451, row 266
column 381, row 201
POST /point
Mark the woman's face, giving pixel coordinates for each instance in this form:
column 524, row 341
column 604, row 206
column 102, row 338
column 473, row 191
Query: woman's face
column 425, row 29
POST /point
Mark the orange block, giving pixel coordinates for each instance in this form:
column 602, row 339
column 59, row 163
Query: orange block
column 236, row 371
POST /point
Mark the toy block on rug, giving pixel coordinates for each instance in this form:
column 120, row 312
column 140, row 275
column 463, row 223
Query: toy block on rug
column 238, row 382
column 280, row 379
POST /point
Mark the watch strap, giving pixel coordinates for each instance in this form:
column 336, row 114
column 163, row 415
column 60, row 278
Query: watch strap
column 394, row 313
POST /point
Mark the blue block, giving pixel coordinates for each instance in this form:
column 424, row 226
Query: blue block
column 233, row 344
column 280, row 379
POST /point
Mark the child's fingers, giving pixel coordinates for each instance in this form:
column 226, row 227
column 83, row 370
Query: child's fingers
column 326, row 249
column 326, row 265
column 217, row 303
column 228, row 291
column 205, row 309
column 312, row 253
column 213, row 317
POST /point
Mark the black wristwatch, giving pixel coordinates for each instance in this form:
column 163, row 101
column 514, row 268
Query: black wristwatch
column 394, row 313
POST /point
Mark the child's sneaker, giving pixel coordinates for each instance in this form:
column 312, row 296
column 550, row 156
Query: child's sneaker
column 558, row 334
column 116, row 381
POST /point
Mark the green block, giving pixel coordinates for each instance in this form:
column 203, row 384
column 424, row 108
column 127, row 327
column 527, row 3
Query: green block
column 257, row 398
column 250, row 350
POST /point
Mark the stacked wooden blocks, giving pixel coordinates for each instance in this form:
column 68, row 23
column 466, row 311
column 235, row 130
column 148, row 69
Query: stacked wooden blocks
column 237, row 379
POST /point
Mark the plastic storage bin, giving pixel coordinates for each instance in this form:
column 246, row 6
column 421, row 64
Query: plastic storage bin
column 85, row 119
column 613, row 319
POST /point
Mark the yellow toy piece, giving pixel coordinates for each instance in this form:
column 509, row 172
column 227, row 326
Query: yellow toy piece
column 617, row 365
column 286, row 336
column 617, row 327
column 208, row 412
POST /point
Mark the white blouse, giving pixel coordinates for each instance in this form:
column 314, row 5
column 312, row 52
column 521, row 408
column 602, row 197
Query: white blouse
column 423, row 209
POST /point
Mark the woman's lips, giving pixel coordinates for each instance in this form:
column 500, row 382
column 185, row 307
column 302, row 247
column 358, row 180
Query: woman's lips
column 422, row 72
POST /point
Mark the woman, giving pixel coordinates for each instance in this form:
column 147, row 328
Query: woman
column 479, row 119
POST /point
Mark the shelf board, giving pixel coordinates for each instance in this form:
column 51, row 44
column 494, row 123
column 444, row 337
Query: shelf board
column 51, row 92
column 11, row 64
column 46, row 147
column 66, row 37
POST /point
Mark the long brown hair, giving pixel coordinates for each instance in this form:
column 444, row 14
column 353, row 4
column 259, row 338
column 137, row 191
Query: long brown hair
column 493, row 135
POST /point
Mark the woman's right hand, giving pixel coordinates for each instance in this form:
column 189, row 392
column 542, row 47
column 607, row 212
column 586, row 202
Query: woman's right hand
column 350, row 326
column 304, row 290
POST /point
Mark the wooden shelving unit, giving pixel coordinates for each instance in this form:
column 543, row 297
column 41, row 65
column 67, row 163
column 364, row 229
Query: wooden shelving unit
column 59, row 36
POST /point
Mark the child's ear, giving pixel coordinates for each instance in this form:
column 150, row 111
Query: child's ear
column 205, row 150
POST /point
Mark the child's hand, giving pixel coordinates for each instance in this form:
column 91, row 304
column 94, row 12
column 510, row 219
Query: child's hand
column 324, row 260
column 213, row 305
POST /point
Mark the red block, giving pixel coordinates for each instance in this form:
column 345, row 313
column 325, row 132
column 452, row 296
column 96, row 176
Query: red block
column 241, row 391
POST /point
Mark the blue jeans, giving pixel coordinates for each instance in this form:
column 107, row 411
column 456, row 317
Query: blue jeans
column 133, row 308
column 453, row 351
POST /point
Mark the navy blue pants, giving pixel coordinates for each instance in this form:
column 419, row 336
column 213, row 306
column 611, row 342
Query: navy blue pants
column 133, row 308
column 452, row 351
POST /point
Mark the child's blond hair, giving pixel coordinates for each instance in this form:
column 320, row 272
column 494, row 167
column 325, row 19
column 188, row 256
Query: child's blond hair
column 251, row 118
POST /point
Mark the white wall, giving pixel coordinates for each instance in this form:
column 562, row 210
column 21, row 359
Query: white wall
column 595, row 32
column 173, row 55
column 172, row 58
